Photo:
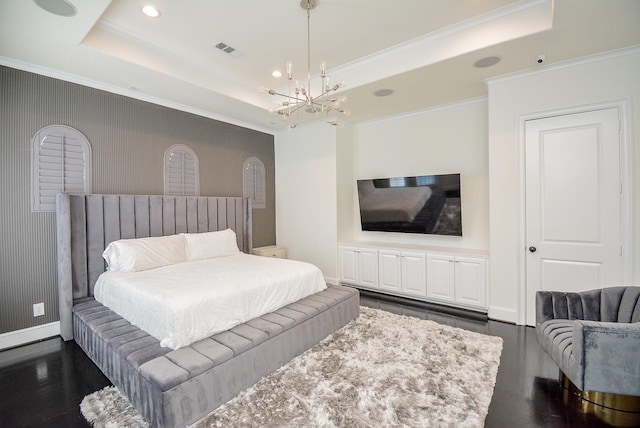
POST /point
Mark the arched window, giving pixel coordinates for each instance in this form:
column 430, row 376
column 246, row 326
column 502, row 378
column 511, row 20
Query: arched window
column 181, row 171
column 254, row 182
column 60, row 162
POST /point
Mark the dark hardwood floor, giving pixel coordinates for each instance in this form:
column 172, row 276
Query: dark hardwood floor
column 42, row 384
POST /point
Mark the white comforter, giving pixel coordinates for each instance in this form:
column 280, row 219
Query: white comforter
column 182, row 303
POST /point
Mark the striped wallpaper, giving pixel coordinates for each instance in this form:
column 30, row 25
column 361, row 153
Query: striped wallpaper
column 128, row 139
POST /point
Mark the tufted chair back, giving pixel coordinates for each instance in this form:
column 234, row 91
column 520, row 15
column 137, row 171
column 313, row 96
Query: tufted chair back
column 613, row 304
column 594, row 337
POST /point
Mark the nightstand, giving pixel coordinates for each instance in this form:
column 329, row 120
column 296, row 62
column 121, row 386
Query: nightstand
column 270, row 251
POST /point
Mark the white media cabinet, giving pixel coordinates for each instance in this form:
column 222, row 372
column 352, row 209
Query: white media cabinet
column 448, row 277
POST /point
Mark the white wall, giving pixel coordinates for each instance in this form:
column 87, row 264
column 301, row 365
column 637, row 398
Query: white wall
column 306, row 203
column 478, row 138
column 346, row 188
column 449, row 139
column 591, row 81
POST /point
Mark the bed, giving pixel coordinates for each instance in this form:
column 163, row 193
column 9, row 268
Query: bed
column 176, row 387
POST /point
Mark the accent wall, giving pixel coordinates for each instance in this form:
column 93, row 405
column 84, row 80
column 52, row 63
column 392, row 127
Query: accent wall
column 128, row 139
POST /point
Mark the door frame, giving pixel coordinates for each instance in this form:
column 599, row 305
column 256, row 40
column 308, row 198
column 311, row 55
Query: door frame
column 626, row 204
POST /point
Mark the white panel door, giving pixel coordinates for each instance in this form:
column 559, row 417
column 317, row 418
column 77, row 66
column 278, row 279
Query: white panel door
column 413, row 274
column 573, row 196
column 390, row 268
column 440, row 277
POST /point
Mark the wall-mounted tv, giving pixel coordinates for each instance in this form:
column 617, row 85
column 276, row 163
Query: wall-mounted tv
column 424, row 204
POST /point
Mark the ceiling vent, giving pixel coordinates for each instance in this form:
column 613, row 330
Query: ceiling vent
column 229, row 50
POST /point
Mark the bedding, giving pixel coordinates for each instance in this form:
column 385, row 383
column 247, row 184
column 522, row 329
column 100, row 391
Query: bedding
column 185, row 302
column 208, row 245
column 392, row 204
column 132, row 255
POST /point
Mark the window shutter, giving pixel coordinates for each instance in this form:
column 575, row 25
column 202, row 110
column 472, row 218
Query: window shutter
column 181, row 171
column 61, row 162
column 254, row 182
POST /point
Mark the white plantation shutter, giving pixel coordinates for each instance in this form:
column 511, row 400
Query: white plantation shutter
column 61, row 162
column 254, row 182
column 181, row 173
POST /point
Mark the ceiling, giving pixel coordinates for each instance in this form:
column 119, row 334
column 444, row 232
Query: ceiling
column 423, row 50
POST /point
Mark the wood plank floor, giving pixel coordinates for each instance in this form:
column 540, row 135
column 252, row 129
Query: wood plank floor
column 42, row 384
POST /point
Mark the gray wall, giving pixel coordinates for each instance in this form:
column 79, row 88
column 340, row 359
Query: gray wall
column 128, row 139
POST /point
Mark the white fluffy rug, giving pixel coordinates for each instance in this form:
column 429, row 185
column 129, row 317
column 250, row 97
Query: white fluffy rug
column 379, row 370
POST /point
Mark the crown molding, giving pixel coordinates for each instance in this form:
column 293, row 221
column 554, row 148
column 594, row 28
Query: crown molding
column 72, row 78
column 631, row 50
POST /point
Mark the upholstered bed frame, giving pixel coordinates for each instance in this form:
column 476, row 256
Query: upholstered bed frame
column 174, row 388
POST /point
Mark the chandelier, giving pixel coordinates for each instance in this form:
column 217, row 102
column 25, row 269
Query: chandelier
column 300, row 97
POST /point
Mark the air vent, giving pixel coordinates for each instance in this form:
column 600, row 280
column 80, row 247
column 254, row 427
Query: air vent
column 229, row 50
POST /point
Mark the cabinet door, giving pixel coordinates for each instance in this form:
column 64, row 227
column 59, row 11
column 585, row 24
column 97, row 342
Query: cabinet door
column 368, row 267
column 440, row 277
column 471, row 281
column 413, row 274
column 390, row 267
column 349, row 265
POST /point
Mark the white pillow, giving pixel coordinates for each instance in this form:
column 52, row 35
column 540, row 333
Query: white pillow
column 208, row 245
column 133, row 255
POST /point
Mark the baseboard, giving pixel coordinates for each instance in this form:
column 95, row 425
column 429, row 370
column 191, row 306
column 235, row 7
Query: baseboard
column 430, row 306
column 503, row 314
column 28, row 335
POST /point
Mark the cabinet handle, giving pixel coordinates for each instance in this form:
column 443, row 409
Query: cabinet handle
column 533, row 249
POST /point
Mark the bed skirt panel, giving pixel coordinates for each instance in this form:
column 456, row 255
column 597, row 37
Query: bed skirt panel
column 176, row 388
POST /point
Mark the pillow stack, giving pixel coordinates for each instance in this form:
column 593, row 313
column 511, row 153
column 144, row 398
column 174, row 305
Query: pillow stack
column 134, row 255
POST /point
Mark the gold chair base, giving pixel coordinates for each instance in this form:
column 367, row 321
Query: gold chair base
column 614, row 409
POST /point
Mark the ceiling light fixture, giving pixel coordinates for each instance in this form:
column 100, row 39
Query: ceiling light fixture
column 299, row 96
column 151, row 11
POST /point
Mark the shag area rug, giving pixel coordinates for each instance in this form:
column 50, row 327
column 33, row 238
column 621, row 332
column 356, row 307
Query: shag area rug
column 379, row 370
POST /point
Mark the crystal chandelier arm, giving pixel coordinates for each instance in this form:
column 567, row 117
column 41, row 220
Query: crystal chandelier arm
column 326, row 92
column 290, row 109
column 274, row 93
column 299, row 94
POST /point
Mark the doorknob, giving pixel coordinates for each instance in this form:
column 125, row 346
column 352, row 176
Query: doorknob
column 533, row 249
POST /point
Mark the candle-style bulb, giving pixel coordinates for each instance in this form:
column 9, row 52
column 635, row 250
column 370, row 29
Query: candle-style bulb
column 289, row 70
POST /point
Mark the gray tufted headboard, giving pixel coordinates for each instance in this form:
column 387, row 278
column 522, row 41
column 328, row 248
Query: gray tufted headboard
column 86, row 224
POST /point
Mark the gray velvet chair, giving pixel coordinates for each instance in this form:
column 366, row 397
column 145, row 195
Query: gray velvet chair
column 593, row 337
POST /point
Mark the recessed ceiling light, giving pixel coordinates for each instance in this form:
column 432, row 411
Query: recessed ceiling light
column 57, row 7
column 383, row 92
column 151, row 11
column 277, row 73
column 487, row 62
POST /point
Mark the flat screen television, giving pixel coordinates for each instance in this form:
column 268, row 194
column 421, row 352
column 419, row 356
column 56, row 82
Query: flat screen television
column 423, row 204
